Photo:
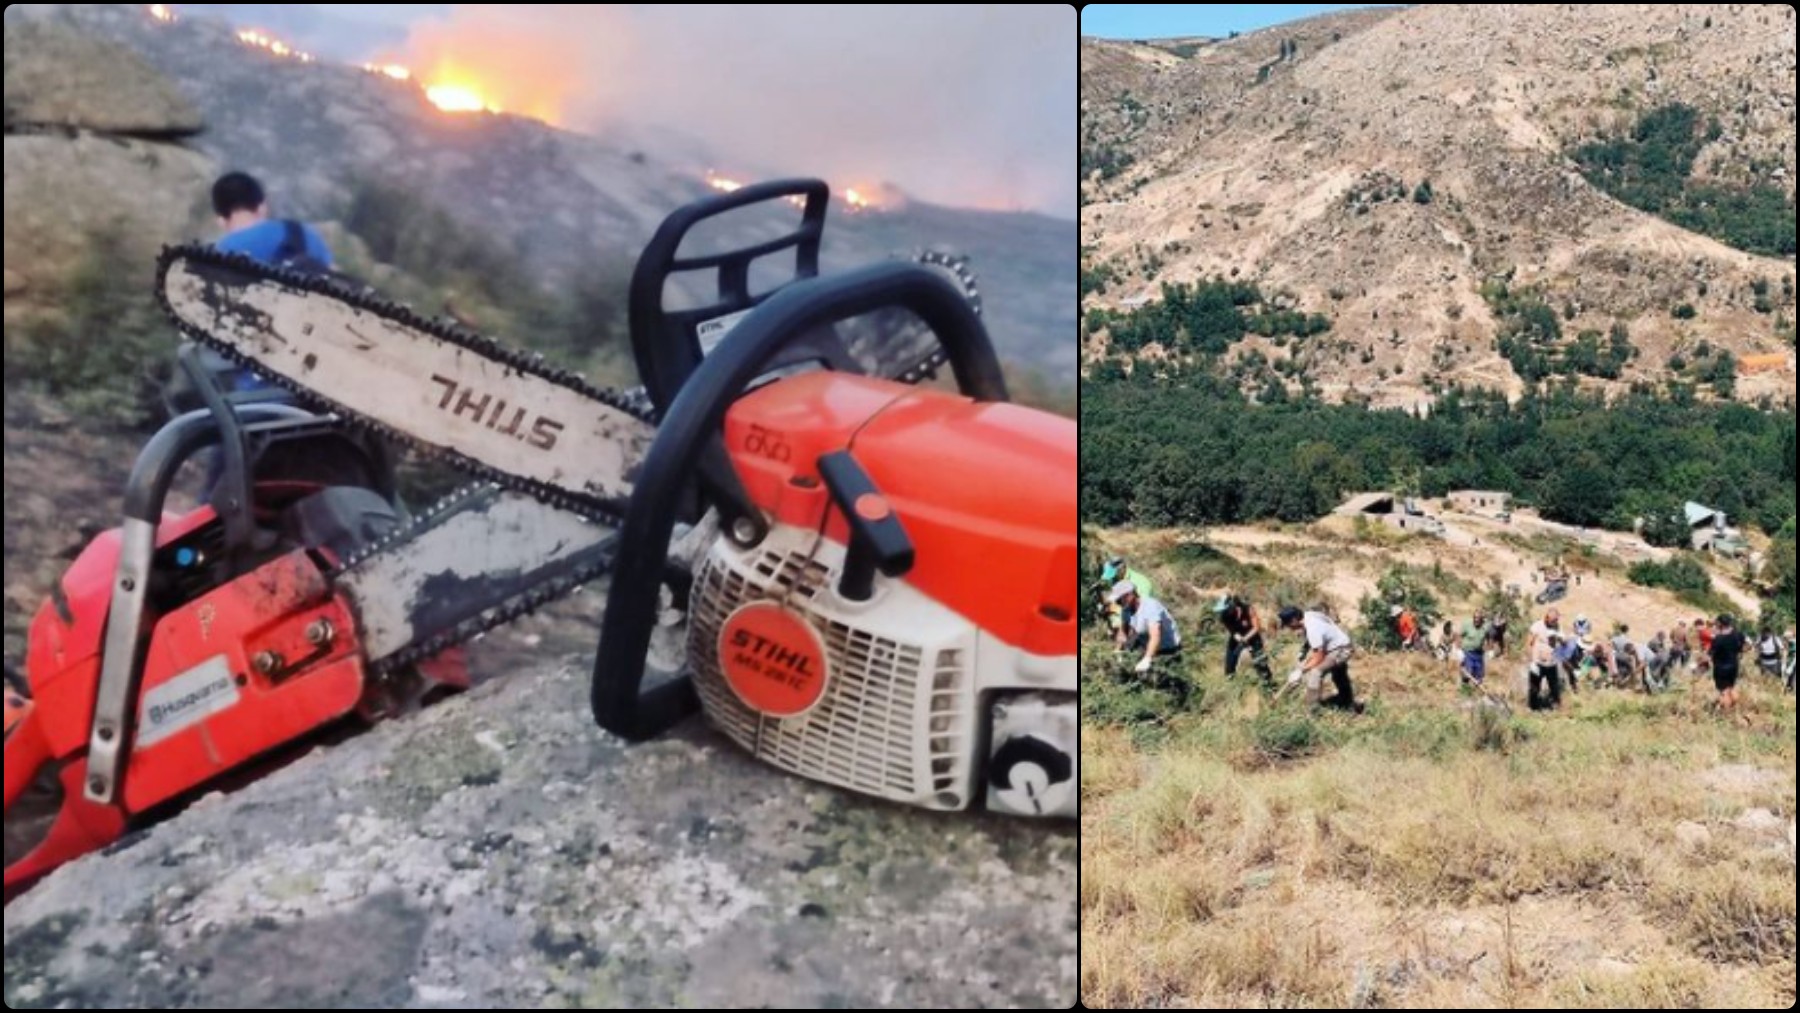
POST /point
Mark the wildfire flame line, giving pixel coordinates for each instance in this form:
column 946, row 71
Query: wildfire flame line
column 854, row 198
column 457, row 98
column 272, row 45
column 448, row 96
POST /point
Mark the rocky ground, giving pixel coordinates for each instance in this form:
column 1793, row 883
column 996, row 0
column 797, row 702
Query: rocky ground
column 498, row 852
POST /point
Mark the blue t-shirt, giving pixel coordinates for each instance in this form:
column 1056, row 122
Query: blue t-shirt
column 263, row 241
column 1151, row 614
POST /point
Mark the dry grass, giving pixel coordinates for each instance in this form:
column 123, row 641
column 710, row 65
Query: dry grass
column 1420, row 858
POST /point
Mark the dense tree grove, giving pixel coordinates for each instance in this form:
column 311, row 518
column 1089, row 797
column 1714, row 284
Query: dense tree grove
column 1208, row 318
column 1194, row 450
column 1653, row 170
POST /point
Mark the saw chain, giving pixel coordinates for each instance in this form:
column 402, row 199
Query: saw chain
column 505, row 603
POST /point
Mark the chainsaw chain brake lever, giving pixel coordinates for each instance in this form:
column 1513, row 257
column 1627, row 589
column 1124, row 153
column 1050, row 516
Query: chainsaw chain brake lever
column 621, row 701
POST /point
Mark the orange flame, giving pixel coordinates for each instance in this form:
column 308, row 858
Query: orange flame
column 875, row 199
column 723, row 185
column 272, row 45
column 392, row 70
column 459, row 98
column 161, row 12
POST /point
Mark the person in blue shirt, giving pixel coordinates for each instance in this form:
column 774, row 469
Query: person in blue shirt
column 243, row 208
column 242, row 205
column 1151, row 627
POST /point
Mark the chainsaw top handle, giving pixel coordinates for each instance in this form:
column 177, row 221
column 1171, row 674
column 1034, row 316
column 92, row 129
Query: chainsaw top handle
column 622, row 704
column 667, row 344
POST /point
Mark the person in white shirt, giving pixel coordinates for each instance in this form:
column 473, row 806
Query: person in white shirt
column 1328, row 653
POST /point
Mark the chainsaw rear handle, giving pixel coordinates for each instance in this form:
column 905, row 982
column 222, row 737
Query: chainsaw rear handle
column 666, row 343
column 622, row 705
column 124, row 645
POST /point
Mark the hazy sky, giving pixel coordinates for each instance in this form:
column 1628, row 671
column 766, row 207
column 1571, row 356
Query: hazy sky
column 959, row 103
column 1163, row 21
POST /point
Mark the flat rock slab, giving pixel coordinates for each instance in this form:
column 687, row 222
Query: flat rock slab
column 59, row 76
column 499, row 852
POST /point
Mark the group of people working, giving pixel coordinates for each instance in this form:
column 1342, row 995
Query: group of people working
column 1558, row 660
column 1143, row 626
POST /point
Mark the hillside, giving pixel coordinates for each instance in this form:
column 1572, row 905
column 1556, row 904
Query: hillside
column 496, row 850
column 1472, row 194
column 568, row 206
column 1629, row 852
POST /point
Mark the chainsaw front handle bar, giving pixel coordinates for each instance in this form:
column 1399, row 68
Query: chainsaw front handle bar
column 622, row 704
column 666, row 343
column 125, row 640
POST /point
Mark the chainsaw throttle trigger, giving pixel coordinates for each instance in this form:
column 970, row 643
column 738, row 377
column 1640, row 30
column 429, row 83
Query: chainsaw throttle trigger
column 878, row 541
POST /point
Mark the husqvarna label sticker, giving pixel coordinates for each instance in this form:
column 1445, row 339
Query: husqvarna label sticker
column 186, row 700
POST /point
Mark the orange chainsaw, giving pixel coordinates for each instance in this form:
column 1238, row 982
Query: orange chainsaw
column 878, row 577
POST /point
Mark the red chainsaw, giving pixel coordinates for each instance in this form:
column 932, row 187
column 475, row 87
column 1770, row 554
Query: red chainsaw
column 878, row 577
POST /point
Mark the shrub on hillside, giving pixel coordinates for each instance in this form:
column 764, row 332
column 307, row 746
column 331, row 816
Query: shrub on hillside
column 102, row 353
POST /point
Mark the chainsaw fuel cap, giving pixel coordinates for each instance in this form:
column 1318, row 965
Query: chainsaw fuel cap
column 774, row 660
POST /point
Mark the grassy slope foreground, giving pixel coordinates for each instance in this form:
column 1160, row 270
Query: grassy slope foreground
column 1628, row 853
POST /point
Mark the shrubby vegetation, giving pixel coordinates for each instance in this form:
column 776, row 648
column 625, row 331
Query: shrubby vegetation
column 1684, row 576
column 1531, row 338
column 1653, row 170
column 1207, row 318
column 448, row 267
column 1397, row 587
column 1190, row 448
column 106, row 353
column 99, row 352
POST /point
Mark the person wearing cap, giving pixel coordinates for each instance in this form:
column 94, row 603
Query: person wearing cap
column 1110, row 575
column 1152, row 627
column 1117, row 570
column 1474, row 649
column 1244, row 635
column 1328, row 653
column 1577, row 650
column 1727, row 654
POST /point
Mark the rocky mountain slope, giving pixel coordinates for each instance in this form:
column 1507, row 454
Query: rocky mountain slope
column 566, row 202
column 1416, row 175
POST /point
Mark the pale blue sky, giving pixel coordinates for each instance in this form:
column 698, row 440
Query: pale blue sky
column 1164, row 21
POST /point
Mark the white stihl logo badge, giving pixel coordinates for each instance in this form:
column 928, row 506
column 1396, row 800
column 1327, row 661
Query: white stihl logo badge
column 186, row 700
column 716, row 330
